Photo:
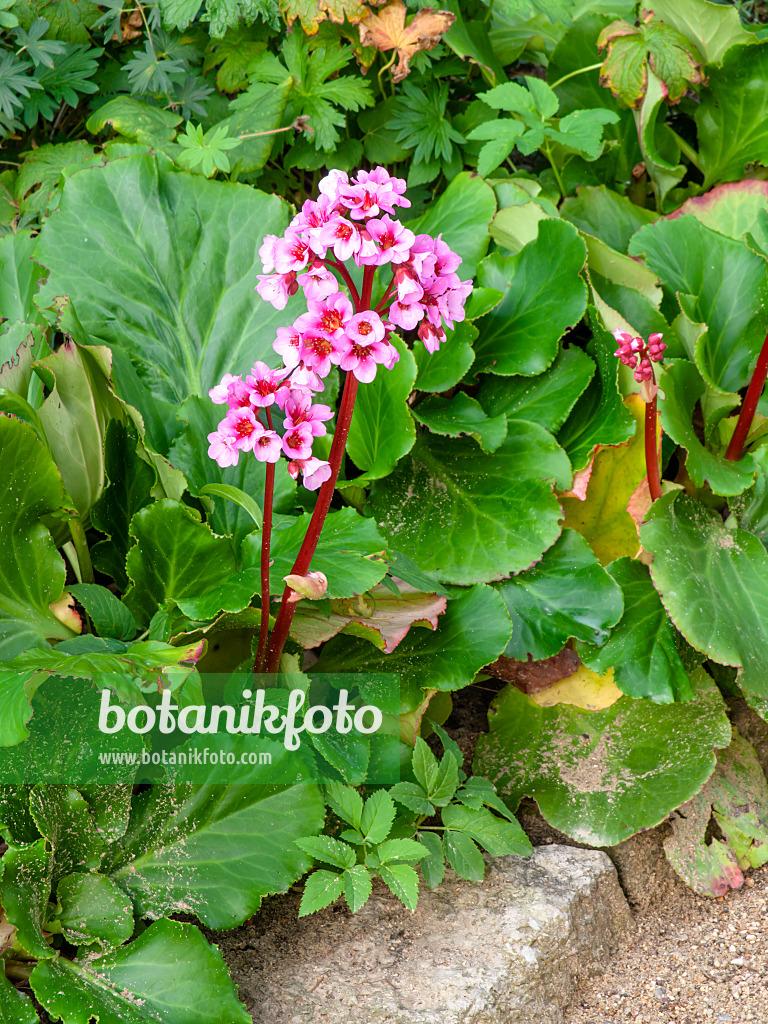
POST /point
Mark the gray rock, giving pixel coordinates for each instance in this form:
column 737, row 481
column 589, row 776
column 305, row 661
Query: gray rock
column 502, row 951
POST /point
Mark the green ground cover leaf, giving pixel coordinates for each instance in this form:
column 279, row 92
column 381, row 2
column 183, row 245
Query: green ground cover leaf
column 462, row 414
column 567, row 594
column 167, row 270
column 439, row 371
column 472, row 633
column 600, row 776
column 714, row 584
column 599, row 211
column 720, row 283
column 641, row 649
column 214, row 851
column 470, row 517
column 169, row 974
column 543, row 296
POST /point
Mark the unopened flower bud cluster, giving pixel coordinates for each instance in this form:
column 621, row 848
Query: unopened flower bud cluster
column 638, row 355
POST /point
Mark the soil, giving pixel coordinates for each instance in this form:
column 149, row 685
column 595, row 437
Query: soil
column 693, row 960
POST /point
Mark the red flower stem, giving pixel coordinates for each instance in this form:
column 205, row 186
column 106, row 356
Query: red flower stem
column 386, row 296
column 652, row 448
column 309, row 545
column 347, row 280
column 747, row 414
column 266, row 540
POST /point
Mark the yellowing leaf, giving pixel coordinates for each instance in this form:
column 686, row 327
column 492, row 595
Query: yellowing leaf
column 311, row 12
column 388, row 31
column 584, row 689
column 602, row 518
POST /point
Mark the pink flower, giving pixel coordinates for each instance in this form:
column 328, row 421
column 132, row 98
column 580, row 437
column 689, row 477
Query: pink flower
column 315, row 471
column 299, row 409
column 268, row 447
column 313, row 214
column 263, row 383
column 319, row 351
column 342, row 236
column 371, row 192
column 223, row 448
column 392, row 239
column 423, row 259
column 433, row 337
column 405, row 315
column 288, row 344
column 332, row 183
column 267, row 253
column 451, row 303
column 446, row 260
column 328, row 316
column 235, row 393
column 291, row 253
column 407, row 282
column 317, row 282
column 362, row 357
column 297, row 442
column 243, row 426
column 304, row 377
column 219, row 394
column 365, row 327
column 277, row 288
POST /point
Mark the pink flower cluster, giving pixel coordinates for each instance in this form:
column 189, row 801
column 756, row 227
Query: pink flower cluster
column 634, row 352
column 352, row 219
column 243, row 430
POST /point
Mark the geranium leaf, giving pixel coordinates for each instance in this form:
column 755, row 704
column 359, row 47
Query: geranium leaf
column 600, row 776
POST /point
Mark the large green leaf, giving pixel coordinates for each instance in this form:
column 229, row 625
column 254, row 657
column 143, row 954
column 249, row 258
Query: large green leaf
column 166, row 268
column 732, row 209
column 600, row 417
column 382, row 429
column 257, row 112
column 683, row 387
column 32, row 573
column 599, row 211
column 178, row 558
column 169, row 974
column 567, row 594
column 15, row 1007
column 723, row 285
column 441, row 370
column 732, row 118
column 214, row 851
column 641, row 650
column 543, row 297
column 715, row 28
column 189, row 453
column 462, row 216
column 472, row 633
column 471, row 517
column 713, row 581
column 137, row 121
column 18, row 277
column 600, row 776
column 346, row 552
column 25, row 887
column 461, row 414
column 546, row 399
column 93, row 909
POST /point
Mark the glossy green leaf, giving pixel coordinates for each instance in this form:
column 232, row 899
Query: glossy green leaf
column 378, row 815
column 258, row 110
column 642, row 649
column 135, row 120
column 64, row 817
column 727, row 287
column 471, row 517
column 320, row 890
column 683, row 388
column 546, row 399
column 713, row 581
column 93, row 909
column 461, row 215
column 403, row 882
column 731, row 118
column 461, row 414
column 433, row 865
column 600, row 776
column 567, row 594
column 328, row 850
column 19, row 275
column 25, row 886
column 598, row 211
column 169, row 974
column 659, row 147
column 348, row 552
column 166, row 269
column 110, row 617
column 213, row 851
column 715, row 28
column 382, row 429
column 441, row 370
column 543, row 296
column 472, row 633
column 32, row 573
column 237, row 497
column 15, row 1006
column 733, row 209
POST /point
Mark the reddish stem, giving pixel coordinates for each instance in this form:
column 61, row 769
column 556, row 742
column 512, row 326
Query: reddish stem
column 266, row 540
column 747, row 413
column 309, row 545
column 652, row 448
column 386, row 296
column 347, row 280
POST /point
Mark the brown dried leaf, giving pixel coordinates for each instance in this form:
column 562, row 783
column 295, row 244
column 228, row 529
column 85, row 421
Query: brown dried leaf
column 388, row 31
column 531, row 676
column 311, row 12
